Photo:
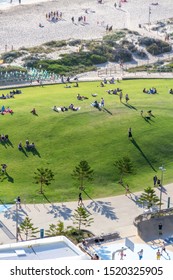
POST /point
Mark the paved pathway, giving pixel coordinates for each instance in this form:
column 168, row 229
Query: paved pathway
column 110, row 214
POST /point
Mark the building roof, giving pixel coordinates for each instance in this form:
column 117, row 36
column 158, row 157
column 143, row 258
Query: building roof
column 58, row 247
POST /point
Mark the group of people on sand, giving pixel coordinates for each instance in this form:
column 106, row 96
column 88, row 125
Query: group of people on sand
column 80, row 19
column 54, row 16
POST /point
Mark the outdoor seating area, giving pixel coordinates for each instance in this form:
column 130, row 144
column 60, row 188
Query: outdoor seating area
column 27, row 75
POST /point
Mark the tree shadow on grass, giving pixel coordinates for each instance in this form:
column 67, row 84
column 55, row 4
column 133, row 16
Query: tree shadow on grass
column 142, row 153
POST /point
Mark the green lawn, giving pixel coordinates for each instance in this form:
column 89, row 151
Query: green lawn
column 100, row 137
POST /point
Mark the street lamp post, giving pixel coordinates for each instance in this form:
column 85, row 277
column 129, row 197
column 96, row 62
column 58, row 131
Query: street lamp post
column 161, row 184
column 17, row 221
column 149, row 17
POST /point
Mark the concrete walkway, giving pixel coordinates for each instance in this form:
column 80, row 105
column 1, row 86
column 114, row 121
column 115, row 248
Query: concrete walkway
column 110, row 214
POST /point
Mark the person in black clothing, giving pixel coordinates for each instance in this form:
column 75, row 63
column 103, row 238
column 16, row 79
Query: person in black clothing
column 18, row 201
column 80, row 199
column 155, row 180
column 130, row 133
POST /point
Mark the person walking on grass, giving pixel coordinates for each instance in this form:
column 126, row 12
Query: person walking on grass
column 121, row 96
column 127, row 98
column 130, row 133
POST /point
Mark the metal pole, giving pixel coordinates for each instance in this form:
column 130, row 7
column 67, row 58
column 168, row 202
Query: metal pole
column 149, row 17
column 17, row 222
column 161, row 185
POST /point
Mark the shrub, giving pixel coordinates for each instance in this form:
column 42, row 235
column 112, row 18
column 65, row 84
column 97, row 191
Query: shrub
column 75, row 42
column 55, row 44
column 155, row 46
column 115, row 36
column 154, row 49
column 98, row 59
column 121, row 55
column 10, row 56
column 141, row 53
column 146, row 41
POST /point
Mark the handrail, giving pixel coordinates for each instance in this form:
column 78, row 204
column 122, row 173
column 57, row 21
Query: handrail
column 158, row 213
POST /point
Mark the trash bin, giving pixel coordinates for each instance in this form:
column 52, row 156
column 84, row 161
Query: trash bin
column 41, row 232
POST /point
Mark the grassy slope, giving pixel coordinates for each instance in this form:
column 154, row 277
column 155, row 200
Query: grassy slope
column 100, row 137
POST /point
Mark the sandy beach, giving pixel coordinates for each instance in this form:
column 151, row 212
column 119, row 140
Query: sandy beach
column 20, row 23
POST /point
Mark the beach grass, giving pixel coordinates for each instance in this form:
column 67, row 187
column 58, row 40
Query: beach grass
column 98, row 136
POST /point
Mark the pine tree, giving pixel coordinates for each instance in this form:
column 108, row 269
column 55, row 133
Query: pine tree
column 149, row 198
column 124, row 166
column 82, row 173
column 55, row 230
column 82, row 218
column 43, row 177
column 27, row 228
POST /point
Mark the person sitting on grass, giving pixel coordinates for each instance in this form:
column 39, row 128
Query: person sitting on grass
column 2, row 137
column 27, row 144
column 67, row 86
column 8, row 110
column 79, row 97
column 4, row 167
column 74, row 108
column 20, row 146
column 33, row 111
column 32, row 145
column 76, row 84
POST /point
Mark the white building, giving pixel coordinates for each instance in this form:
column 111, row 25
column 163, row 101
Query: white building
column 50, row 248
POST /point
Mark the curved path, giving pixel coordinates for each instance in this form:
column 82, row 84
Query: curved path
column 110, row 214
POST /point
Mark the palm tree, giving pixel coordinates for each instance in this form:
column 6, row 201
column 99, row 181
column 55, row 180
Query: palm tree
column 82, row 217
column 82, row 173
column 149, row 198
column 27, row 228
column 43, row 177
column 124, row 166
